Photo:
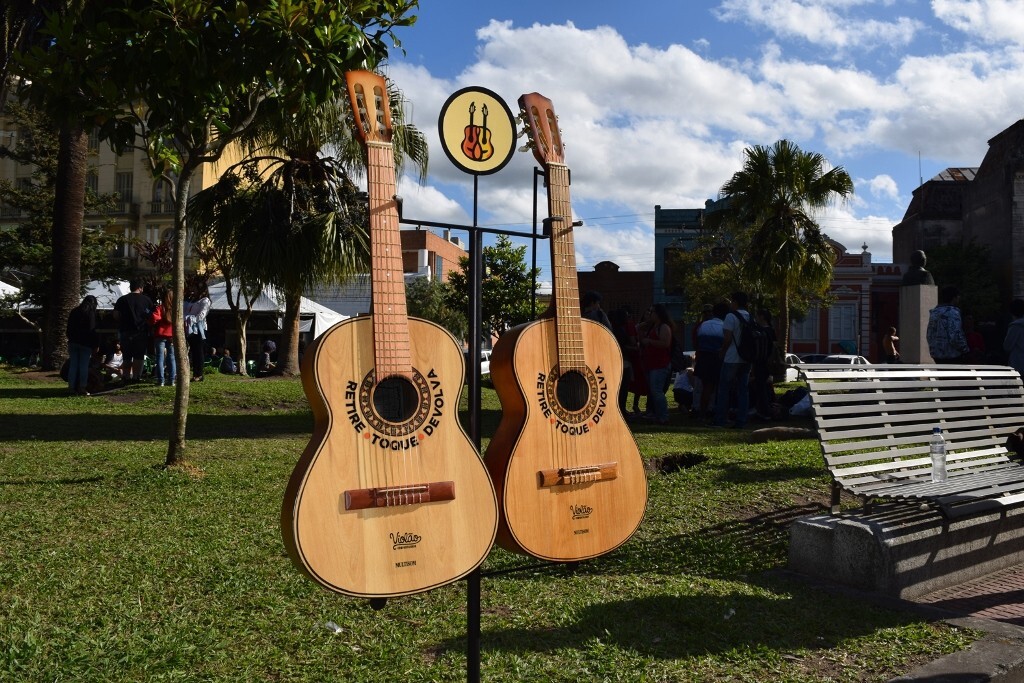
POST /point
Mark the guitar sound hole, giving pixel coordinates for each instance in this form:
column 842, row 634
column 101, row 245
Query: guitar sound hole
column 573, row 391
column 395, row 399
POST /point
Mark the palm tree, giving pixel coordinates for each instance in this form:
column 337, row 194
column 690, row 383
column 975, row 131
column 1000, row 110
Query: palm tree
column 19, row 23
column 305, row 221
column 775, row 196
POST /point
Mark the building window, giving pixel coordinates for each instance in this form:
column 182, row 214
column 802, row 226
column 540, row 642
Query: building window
column 94, row 141
column 162, row 202
column 806, row 329
column 842, row 323
column 92, row 182
column 123, row 188
column 438, row 267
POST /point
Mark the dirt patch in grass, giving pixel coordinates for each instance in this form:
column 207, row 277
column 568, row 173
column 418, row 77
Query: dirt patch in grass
column 40, row 375
column 673, row 462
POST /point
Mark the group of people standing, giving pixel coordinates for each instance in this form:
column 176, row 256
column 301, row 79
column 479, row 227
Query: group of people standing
column 140, row 321
column 647, row 360
column 719, row 381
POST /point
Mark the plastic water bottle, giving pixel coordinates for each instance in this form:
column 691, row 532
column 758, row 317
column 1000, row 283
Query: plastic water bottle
column 938, row 452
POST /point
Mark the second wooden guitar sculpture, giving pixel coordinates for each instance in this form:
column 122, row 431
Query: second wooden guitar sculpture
column 570, row 481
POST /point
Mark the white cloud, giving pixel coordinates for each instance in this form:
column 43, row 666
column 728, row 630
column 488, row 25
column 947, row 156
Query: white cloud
column 645, row 125
column 821, row 22
column 883, row 186
column 991, row 21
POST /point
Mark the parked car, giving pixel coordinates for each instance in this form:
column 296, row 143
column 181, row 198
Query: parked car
column 845, row 359
column 485, row 362
column 813, row 357
column 792, row 373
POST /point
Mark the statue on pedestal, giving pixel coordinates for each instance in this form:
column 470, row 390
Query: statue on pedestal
column 916, row 274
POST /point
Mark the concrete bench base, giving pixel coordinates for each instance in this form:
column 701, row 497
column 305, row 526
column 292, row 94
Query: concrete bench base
column 904, row 551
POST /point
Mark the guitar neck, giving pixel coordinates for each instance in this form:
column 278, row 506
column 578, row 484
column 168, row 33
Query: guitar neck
column 390, row 318
column 565, row 290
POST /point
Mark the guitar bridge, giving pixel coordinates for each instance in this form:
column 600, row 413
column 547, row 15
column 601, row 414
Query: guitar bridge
column 567, row 476
column 397, row 496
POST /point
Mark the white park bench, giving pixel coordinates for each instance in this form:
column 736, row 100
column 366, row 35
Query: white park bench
column 875, row 423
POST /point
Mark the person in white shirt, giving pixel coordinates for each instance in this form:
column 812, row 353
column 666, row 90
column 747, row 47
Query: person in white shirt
column 735, row 371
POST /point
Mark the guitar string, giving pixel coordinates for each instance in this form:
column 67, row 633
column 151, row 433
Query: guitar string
column 390, row 320
column 370, row 467
column 568, row 336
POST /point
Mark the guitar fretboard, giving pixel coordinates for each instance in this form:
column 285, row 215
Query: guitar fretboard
column 390, row 318
column 565, row 290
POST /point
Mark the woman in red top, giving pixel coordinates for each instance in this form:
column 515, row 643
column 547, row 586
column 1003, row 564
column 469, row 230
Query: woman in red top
column 163, row 339
column 656, row 352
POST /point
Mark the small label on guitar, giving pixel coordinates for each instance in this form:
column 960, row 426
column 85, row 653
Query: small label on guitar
column 400, row 541
column 581, row 511
column 407, row 563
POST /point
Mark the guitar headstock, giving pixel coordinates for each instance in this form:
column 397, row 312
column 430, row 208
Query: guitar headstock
column 542, row 128
column 368, row 95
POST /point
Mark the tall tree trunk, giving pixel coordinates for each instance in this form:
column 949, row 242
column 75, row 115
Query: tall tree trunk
column 68, row 217
column 176, row 446
column 784, row 318
column 241, row 324
column 288, row 354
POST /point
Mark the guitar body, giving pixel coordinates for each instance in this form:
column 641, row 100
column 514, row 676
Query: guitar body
column 378, row 508
column 581, row 515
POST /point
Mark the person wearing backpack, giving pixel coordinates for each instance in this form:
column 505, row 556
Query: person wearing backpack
column 735, row 374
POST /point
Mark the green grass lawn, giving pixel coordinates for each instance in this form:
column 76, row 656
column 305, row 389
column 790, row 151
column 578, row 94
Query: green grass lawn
column 113, row 568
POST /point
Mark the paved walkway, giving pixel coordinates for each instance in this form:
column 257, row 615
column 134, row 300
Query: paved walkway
column 998, row 596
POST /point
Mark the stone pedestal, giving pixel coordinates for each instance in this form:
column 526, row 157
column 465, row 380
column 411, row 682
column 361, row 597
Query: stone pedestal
column 915, row 303
column 903, row 551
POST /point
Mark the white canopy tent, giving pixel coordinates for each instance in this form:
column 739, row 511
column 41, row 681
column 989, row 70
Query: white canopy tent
column 106, row 295
column 317, row 316
column 313, row 314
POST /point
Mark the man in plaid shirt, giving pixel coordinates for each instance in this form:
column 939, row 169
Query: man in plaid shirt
column 947, row 342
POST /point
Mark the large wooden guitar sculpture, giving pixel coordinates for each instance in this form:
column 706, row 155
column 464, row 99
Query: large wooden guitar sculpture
column 570, row 481
column 390, row 497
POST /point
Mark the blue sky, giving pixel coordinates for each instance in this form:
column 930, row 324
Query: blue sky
column 657, row 101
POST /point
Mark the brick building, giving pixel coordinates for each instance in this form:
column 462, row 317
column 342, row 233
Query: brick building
column 983, row 205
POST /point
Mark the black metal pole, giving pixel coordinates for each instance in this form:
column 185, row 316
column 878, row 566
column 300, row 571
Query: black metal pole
column 475, row 329
column 533, row 291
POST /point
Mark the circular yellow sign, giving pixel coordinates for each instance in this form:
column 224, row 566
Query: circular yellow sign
column 478, row 131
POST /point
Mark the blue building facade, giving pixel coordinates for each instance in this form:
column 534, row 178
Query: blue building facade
column 673, row 229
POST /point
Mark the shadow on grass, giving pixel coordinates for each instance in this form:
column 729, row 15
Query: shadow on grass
column 751, row 472
column 62, row 482
column 146, row 427
column 676, row 626
column 720, row 550
column 21, row 393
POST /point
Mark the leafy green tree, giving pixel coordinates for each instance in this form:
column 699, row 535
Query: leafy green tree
column 218, row 215
column 185, row 79
column 707, row 273
column 304, row 219
column 968, row 267
column 429, row 299
column 774, row 197
column 506, row 289
column 23, row 33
